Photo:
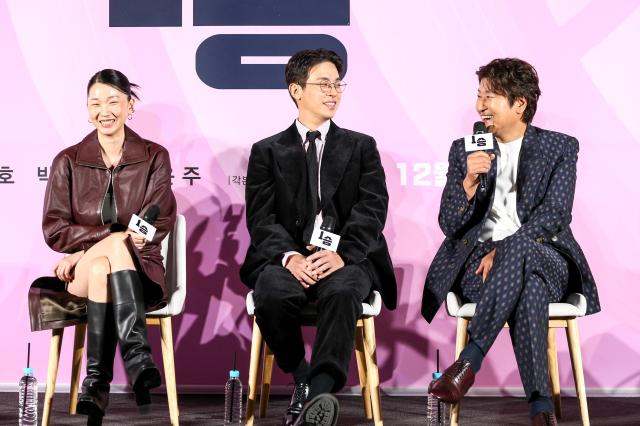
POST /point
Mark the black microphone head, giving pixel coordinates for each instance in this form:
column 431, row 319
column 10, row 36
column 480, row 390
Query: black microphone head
column 479, row 127
column 152, row 214
column 328, row 223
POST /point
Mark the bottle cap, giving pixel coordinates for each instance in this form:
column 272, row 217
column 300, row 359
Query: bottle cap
column 28, row 370
column 234, row 374
column 436, row 375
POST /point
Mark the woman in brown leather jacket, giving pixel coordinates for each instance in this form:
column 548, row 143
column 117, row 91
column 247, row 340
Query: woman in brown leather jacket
column 94, row 188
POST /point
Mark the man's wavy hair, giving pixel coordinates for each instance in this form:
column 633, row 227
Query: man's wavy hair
column 513, row 78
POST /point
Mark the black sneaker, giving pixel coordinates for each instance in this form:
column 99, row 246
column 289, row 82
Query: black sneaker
column 321, row 410
column 298, row 398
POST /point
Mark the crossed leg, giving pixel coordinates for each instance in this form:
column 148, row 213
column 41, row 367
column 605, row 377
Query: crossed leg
column 90, row 277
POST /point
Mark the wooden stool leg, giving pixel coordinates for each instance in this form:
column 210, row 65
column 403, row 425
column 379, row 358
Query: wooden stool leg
column 166, row 336
column 52, row 372
column 254, row 365
column 362, row 369
column 554, row 374
column 372, row 369
column 573, row 339
column 76, row 366
column 267, row 370
column 461, row 341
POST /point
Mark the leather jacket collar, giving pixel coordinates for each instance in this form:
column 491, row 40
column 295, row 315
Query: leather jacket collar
column 133, row 151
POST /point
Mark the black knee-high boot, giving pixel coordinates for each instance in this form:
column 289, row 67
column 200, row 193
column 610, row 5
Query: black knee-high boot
column 129, row 313
column 101, row 350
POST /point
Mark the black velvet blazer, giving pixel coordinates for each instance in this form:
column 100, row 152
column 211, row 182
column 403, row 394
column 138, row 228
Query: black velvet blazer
column 353, row 191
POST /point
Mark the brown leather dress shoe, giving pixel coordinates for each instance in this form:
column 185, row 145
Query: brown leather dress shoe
column 544, row 418
column 298, row 398
column 454, row 383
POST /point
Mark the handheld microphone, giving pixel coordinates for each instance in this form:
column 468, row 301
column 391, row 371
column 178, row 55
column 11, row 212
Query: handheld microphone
column 152, row 214
column 481, row 140
column 328, row 223
column 145, row 226
column 323, row 237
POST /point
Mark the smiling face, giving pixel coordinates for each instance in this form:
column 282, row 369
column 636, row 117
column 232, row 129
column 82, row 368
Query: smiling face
column 314, row 106
column 501, row 118
column 108, row 109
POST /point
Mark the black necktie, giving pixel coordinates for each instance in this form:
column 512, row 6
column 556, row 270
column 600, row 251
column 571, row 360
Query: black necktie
column 313, row 200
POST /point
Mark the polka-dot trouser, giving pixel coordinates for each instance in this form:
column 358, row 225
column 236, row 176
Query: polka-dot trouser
column 526, row 276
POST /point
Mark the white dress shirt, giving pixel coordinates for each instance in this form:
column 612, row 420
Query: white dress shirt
column 302, row 130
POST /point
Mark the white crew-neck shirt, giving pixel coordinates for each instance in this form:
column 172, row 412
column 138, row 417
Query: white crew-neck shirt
column 503, row 218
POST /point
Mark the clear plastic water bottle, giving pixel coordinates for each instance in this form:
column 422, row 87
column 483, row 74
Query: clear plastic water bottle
column 28, row 399
column 438, row 412
column 233, row 399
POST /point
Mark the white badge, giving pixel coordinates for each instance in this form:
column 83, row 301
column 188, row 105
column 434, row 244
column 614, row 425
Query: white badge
column 325, row 239
column 478, row 142
column 141, row 227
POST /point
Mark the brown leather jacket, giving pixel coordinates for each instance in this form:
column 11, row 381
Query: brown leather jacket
column 77, row 185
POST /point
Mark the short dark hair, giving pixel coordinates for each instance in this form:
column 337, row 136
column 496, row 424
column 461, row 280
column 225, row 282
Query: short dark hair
column 299, row 65
column 513, row 78
column 116, row 79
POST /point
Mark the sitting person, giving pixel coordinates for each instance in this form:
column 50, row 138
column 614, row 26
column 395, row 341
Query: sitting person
column 510, row 248
column 312, row 170
column 94, row 188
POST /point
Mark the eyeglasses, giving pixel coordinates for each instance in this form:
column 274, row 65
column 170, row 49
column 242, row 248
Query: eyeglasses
column 326, row 86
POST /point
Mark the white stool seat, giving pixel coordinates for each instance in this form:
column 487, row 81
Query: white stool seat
column 561, row 315
column 575, row 306
column 369, row 309
column 174, row 255
column 365, row 346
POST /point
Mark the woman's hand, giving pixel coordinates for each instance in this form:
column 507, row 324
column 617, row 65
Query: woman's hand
column 64, row 267
column 486, row 264
column 138, row 240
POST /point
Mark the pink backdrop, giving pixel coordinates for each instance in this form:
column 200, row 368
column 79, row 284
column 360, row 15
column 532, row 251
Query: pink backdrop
column 411, row 85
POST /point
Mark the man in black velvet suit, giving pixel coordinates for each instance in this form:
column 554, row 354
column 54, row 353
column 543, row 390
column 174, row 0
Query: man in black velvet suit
column 311, row 171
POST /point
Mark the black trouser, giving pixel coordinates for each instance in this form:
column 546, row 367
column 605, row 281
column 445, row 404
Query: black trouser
column 279, row 298
column 526, row 276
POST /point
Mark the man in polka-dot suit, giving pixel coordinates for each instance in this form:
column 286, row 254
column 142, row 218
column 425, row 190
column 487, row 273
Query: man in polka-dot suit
column 509, row 248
